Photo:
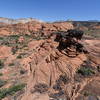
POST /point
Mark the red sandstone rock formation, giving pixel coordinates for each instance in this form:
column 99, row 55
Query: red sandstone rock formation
column 34, row 27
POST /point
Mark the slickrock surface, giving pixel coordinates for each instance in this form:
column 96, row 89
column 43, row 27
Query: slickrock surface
column 47, row 73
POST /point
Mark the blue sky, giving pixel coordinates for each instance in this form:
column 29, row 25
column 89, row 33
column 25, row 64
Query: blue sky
column 51, row 10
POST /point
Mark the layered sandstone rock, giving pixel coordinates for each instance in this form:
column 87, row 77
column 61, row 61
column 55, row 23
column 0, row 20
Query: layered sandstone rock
column 46, row 66
column 49, row 74
column 34, row 27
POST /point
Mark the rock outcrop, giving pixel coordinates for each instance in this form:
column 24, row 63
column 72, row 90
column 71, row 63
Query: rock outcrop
column 34, row 28
column 48, row 73
column 52, row 74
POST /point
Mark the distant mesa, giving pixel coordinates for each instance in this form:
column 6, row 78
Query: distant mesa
column 16, row 21
column 93, row 21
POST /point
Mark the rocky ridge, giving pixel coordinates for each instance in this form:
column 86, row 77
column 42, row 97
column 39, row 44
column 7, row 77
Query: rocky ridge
column 47, row 73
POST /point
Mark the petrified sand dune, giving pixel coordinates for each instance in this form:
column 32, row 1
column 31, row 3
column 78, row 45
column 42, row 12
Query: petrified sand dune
column 47, row 65
column 48, row 73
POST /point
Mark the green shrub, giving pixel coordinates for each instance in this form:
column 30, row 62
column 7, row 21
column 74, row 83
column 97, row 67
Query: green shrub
column 10, row 40
column 11, row 91
column 23, row 71
column 3, row 93
column 86, row 71
column 2, row 83
column 15, row 88
column 1, row 74
column 19, row 56
column 25, row 45
column 26, row 36
column 86, row 93
column 14, row 37
column 1, row 38
column 11, row 64
column 1, row 64
column 6, row 43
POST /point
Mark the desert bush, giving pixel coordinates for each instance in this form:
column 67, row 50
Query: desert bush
column 23, row 71
column 2, row 83
column 1, row 74
column 41, row 88
column 63, row 79
column 94, row 33
column 1, row 38
column 86, row 93
column 25, row 45
column 27, row 36
column 15, row 37
column 1, row 64
column 11, row 64
column 85, row 71
column 10, row 40
column 21, row 55
column 11, row 91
